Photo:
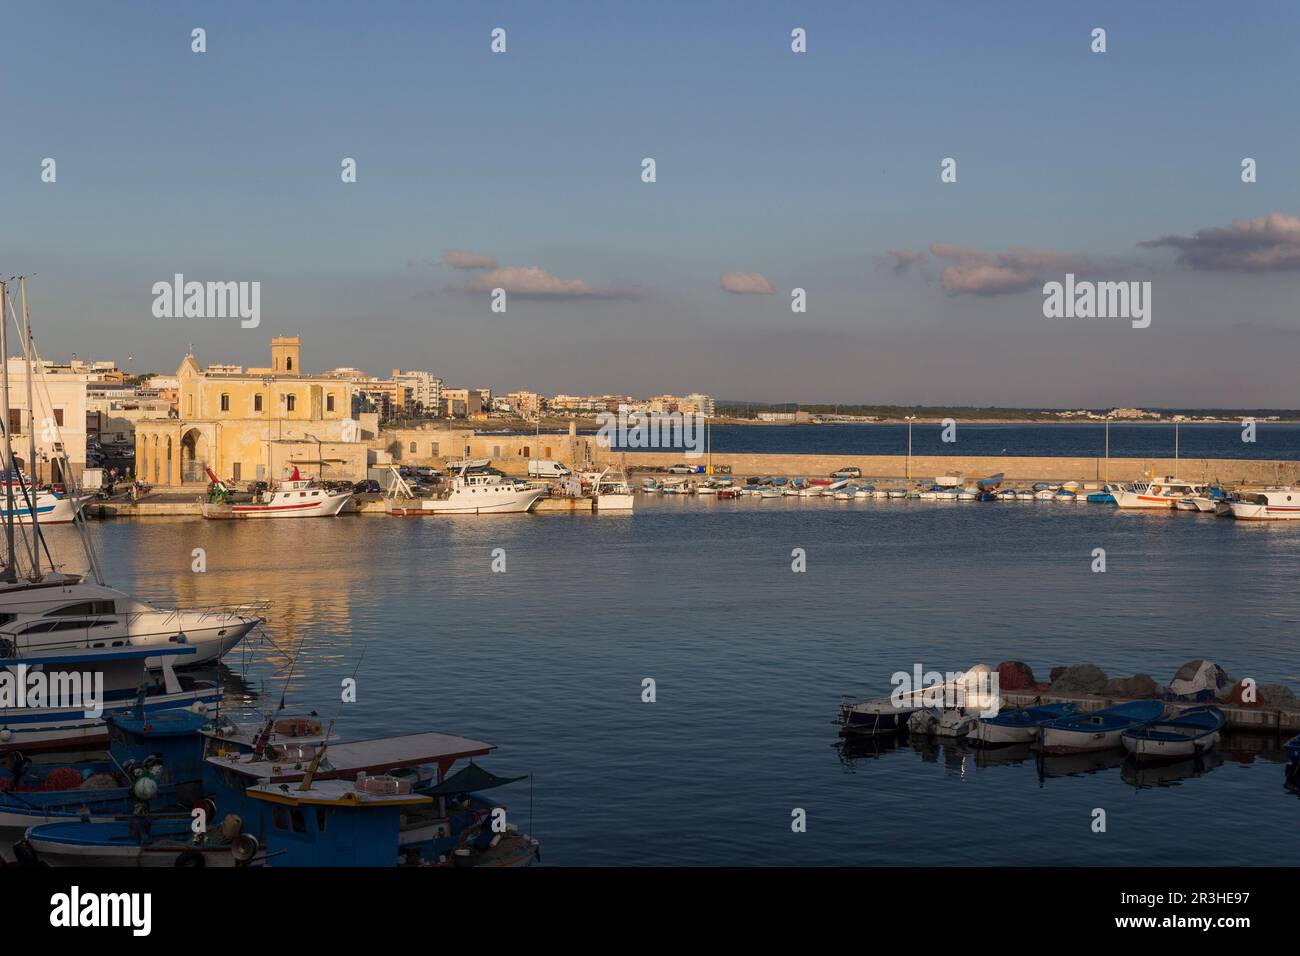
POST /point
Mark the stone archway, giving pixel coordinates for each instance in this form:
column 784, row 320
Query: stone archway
column 193, row 462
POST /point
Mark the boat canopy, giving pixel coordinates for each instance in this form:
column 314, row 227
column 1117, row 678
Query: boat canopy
column 469, row 780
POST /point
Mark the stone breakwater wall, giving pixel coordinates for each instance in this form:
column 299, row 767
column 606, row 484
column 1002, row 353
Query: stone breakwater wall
column 1227, row 470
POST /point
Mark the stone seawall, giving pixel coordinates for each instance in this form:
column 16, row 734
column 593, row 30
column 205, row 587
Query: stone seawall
column 1228, row 470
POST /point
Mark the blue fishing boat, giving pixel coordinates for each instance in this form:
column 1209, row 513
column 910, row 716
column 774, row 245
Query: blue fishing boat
column 1099, row 730
column 1188, row 733
column 1018, row 726
column 990, row 483
column 290, row 806
column 122, row 672
column 166, row 747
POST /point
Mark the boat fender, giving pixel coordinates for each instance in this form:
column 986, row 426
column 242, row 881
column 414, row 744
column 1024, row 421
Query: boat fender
column 191, row 858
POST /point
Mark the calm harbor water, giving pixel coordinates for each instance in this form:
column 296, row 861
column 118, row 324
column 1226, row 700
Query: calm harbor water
column 1272, row 440
column 750, row 659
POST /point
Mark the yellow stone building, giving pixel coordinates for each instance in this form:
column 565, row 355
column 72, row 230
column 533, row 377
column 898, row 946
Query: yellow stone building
column 256, row 425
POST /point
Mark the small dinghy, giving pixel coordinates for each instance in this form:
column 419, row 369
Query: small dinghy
column 1187, row 734
column 936, row 722
column 1018, row 726
column 1099, row 730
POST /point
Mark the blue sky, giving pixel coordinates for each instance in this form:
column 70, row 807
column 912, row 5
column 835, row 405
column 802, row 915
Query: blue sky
column 809, row 169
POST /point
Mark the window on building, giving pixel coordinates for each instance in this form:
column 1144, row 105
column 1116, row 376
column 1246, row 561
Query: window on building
column 15, row 421
column 58, row 417
column 225, row 402
column 329, row 403
column 288, row 364
column 290, row 401
column 257, row 403
column 412, row 448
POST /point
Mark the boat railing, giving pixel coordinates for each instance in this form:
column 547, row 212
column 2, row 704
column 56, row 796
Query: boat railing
column 206, row 611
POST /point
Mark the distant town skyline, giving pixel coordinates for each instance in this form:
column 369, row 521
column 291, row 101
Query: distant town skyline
column 774, row 171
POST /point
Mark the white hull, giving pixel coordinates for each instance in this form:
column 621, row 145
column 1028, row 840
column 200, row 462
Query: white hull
column 1248, row 511
column 1131, row 499
column 49, row 510
column 69, row 728
column 1058, row 741
column 1145, row 749
column 996, row 735
column 59, row 853
column 327, row 506
column 614, row 502
column 516, row 502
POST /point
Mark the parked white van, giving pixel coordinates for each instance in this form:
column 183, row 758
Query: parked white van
column 546, row 468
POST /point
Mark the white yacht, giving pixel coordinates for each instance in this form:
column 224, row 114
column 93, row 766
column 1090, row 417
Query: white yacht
column 1269, row 504
column 612, row 492
column 1158, row 493
column 50, row 507
column 482, row 493
column 62, row 612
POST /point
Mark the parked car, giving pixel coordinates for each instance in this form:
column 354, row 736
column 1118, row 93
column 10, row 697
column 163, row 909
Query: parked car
column 852, row 471
column 424, row 471
column 367, row 486
column 681, row 469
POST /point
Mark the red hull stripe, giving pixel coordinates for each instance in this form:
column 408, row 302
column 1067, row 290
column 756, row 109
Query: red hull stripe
column 305, row 504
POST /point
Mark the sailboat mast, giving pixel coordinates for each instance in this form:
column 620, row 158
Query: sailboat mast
column 31, row 433
column 11, row 557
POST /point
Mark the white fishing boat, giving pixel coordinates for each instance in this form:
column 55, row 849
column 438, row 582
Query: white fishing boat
column 948, row 481
column 612, row 492
column 482, row 494
column 1098, row 730
column 947, row 494
column 897, row 492
column 1159, row 493
column 1018, row 726
column 968, row 494
column 1271, row 504
column 1023, row 495
column 1044, row 494
column 1189, row 733
column 880, row 493
column 294, row 497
